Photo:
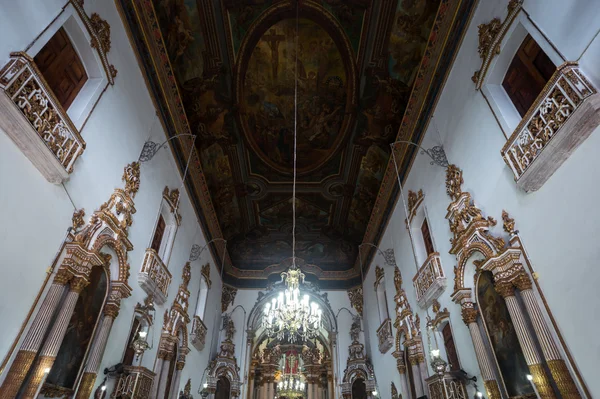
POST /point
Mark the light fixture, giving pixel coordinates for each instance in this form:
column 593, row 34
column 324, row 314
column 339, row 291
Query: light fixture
column 103, row 388
column 479, row 394
column 374, row 393
column 291, row 386
column 438, row 364
column 140, row 345
column 288, row 313
column 529, row 377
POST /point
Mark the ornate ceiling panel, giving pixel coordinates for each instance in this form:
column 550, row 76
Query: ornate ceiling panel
column 362, row 74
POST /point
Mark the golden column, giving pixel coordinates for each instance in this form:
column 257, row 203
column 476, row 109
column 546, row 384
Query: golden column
column 111, row 311
column 33, row 340
column 532, row 356
column 469, row 315
column 55, row 337
column 556, row 364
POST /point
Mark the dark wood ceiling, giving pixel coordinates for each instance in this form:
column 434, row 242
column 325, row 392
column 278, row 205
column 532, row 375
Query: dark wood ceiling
column 361, row 74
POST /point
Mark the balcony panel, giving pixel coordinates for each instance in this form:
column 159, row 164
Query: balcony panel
column 564, row 114
column 154, row 277
column 32, row 117
column 430, row 281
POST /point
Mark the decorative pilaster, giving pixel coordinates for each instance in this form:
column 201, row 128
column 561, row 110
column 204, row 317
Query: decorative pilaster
column 31, row 344
column 469, row 315
column 532, row 357
column 162, row 380
column 556, row 364
column 111, row 312
column 55, row 337
column 416, row 372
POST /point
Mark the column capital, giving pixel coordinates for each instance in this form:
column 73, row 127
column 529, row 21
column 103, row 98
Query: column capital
column 63, row 276
column 180, row 365
column 78, row 283
column 111, row 310
column 469, row 313
column 505, row 288
column 522, row 281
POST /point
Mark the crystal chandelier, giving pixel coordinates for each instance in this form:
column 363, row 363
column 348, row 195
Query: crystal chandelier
column 291, row 386
column 287, row 312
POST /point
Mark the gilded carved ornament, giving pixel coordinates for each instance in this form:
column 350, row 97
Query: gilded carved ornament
column 397, row 280
column 378, row 275
column 414, row 200
column 227, row 297
column 131, row 177
column 522, row 282
column 454, row 181
column 356, row 299
column 78, row 284
column 102, row 29
column 491, row 35
column 508, row 223
column 505, row 289
column 469, row 313
column 77, row 219
column 205, row 272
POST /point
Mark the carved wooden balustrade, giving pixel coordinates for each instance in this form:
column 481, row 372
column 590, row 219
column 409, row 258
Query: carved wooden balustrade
column 564, row 114
column 154, row 277
column 134, row 383
column 34, row 119
column 384, row 336
column 199, row 331
column 446, row 387
column 430, row 281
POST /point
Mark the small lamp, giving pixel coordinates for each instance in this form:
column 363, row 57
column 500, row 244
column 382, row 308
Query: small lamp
column 140, row 345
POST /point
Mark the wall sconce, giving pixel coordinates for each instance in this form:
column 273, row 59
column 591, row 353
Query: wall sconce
column 140, row 345
column 437, row 363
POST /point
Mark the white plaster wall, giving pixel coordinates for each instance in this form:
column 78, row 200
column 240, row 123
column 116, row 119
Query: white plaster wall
column 39, row 213
column 343, row 310
column 558, row 224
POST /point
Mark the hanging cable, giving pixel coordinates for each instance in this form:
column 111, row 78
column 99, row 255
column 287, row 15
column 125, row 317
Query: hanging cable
column 295, row 136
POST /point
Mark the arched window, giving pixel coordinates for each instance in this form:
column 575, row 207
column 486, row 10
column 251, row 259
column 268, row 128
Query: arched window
column 202, row 297
column 166, row 225
column 382, row 301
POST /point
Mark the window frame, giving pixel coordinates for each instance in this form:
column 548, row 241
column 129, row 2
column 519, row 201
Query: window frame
column 500, row 103
column 77, row 31
column 172, row 220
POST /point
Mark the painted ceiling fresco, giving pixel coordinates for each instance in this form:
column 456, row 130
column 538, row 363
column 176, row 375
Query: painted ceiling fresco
column 350, row 77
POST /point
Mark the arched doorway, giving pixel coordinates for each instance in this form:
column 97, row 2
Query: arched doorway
column 223, row 388
column 359, row 389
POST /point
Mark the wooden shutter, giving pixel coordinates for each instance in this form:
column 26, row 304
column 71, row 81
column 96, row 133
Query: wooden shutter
column 527, row 75
column 61, row 67
column 158, row 234
column 427, row 238
column 450, row 348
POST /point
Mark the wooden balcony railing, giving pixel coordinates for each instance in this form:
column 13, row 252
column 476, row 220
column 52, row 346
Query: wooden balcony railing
column 563, row 115
column 154, row 277
column 430, row 281
column 37, row 123
column 134, row 383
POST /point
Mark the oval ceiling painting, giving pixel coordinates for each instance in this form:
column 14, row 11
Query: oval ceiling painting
column 268, row 99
